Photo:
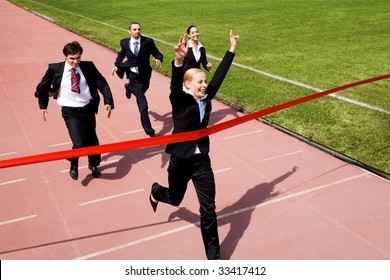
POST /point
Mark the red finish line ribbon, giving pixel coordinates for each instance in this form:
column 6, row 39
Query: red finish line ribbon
column 174, row 138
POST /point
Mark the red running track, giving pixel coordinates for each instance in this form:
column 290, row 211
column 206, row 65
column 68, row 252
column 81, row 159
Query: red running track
column 277, row 197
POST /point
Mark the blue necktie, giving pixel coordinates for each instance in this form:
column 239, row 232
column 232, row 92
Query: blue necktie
column 136, row 49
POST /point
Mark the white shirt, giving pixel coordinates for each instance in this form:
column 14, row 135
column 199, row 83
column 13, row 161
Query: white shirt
column 194, row 51
column 202, row 109
column 68, row 98
column 132, row 41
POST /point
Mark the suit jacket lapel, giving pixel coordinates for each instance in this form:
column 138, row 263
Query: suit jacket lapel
column 86, row 72
column 128, row 49
column 56, row 82
column 142, row 40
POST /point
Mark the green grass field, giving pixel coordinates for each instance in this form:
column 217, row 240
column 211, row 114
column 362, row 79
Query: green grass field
column 307, row 46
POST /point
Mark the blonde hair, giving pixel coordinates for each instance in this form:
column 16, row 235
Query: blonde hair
column 189, row 74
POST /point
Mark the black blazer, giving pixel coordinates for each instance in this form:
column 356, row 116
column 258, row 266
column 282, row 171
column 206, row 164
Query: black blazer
column 185, row 109
column 95, row 80
column 142, row 61
column 190, row 61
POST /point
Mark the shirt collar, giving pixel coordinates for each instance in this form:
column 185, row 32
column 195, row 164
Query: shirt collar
column 132, row 40
column 191, row 45
column 68, row 67
column 190, row 93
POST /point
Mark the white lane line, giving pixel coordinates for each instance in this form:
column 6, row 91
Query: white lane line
column 272, row 201
column 140, row 130
column 223, row 170
column 276, row 77
column 295, row 83
column 8, row 154
column 280, row 156
column 139, row 241
column 109, row 197
column 59, row 144
column 242, row 134
column 18, row 220
column 168, row 232
column 358, row 103
column 134, row 131
column 156, row 152
column 43, row 16
column 13, row 181
column 219, row 116
column 86, row 166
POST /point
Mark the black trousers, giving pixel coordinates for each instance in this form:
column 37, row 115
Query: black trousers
column 81, row 124
column 139, row 85
column 198, row 169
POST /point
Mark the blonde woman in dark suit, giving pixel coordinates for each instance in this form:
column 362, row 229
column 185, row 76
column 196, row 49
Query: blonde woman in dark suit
column 191, row 97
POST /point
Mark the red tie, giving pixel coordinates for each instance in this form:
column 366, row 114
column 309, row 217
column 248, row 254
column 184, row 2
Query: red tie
column 75, row 80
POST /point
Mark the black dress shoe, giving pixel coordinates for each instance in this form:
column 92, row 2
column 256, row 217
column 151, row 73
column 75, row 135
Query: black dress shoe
column 154, row 204
column 128, row 91
column 154, row 134
column 95, row 171
column 74, row 172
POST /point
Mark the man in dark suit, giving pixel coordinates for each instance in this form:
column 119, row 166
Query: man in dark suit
column 134, row 60
column 75, row 84
column 191, row 98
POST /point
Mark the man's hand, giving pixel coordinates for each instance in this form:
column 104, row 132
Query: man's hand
column 44, row 114
column 108, row 109
column 114, row 70
column 158, row 62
